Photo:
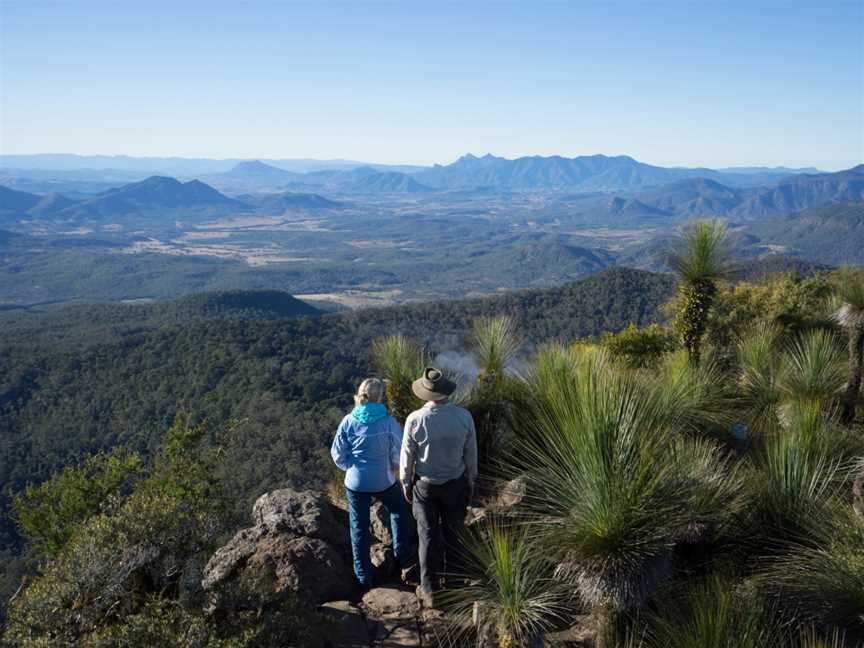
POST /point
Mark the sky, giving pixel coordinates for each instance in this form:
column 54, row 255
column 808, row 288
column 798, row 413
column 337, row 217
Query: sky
column 698, row 83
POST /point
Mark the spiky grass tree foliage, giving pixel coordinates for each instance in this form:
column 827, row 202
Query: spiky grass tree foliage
column 823, row 583
column 850, row 315
column 511, row 598
column 775, row 381
column 696, row 398
column 493, row 343
column 614, row 487
column 800, row 478
column 813, row 373
column 400, row 360
column 717, row 613
column 700, row 259
column 759, row 376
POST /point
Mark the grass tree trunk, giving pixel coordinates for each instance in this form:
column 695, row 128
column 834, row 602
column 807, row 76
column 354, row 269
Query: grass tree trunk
column 693, row 319
column 853, row 384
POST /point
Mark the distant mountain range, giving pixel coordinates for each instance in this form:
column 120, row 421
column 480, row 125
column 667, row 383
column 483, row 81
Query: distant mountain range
column 52, row 172
column 155, row 195
column 584, row 173
column 697, row 197
column 616, row 188
column 176, row 166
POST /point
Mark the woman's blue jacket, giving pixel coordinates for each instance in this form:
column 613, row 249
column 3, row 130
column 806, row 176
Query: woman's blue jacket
column 366, row 447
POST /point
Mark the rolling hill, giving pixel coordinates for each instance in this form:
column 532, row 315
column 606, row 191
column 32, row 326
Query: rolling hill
column 286, row 201
column 155, row 194
column 362, row 180
column 832, row 234
column 694, row 197
column 803, row 191
column 13, row 201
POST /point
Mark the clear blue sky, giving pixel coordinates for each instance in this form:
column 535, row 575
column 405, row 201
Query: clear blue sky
column 674, row 83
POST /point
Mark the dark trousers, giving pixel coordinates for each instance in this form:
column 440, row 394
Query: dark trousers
column 440, row 513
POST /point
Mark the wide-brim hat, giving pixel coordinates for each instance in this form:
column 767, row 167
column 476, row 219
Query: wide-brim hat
column 433, row 385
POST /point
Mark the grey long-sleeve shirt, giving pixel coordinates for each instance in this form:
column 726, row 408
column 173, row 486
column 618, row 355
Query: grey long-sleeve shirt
column 439, row 445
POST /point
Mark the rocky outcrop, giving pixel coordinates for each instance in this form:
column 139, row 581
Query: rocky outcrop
column 298, row 545
column 297, row 541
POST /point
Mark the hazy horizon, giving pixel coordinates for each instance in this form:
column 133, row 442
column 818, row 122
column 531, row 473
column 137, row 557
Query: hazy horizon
column 322, row 160
column 669, row 83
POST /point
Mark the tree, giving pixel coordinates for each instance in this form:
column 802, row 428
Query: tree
column 850, row 315
column 701, row 258
column 400, row 360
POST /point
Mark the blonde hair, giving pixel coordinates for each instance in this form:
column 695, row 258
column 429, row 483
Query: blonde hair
column 370, row 390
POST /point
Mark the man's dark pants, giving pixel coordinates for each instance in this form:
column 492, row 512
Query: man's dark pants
column 440, row 513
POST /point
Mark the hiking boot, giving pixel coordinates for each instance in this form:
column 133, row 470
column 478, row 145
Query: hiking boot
column 426, row 598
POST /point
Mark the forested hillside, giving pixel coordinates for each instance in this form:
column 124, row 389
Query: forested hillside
column 88, row 378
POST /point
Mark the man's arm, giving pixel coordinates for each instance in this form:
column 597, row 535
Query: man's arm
column 407, row 460
column 395, row 432
column 470, row 452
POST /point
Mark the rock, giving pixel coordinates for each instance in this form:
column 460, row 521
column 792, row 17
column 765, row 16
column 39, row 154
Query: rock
column 286, row 551
column 583, row 632
column 301, row 513
column 382, row 557
column 394, row 634
column 436, row 630
column 309, row 567
column 351, row 628
column 511, row 494
column 390, row 603
column 474, row 514
column 380, row 517
column 228, row 559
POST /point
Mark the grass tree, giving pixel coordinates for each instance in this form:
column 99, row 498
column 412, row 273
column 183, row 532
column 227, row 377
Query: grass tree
column 822, row 583
column 800, row 479
column 777, row 379
column 400, row 360
column 717, row 613
column 850, row 315
column 493, row 343
column 510, row 599
column 614, row 488
column 696, row 398
column 700, row 259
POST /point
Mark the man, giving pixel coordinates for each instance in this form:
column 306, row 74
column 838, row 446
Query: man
column 437, row 469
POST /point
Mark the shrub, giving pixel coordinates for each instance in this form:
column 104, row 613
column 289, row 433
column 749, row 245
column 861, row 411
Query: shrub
column 639, row 348
column 114, row 559
column 48, row 514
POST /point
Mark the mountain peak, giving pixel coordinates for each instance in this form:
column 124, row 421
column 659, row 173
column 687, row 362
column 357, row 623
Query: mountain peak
column 256, row 167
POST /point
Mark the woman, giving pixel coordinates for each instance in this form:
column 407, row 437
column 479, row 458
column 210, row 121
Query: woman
column 367, row 448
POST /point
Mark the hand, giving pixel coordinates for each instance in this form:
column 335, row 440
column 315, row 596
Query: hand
column 408, row 492
column 469, row 495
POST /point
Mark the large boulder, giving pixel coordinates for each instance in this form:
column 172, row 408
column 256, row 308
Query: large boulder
column 302, row 513
column 289, row 550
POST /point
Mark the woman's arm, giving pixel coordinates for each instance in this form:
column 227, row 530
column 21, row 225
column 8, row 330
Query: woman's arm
column 395, row 443
column 341, row 448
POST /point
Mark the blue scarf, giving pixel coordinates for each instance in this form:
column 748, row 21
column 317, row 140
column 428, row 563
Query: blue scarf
column 369, row 413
